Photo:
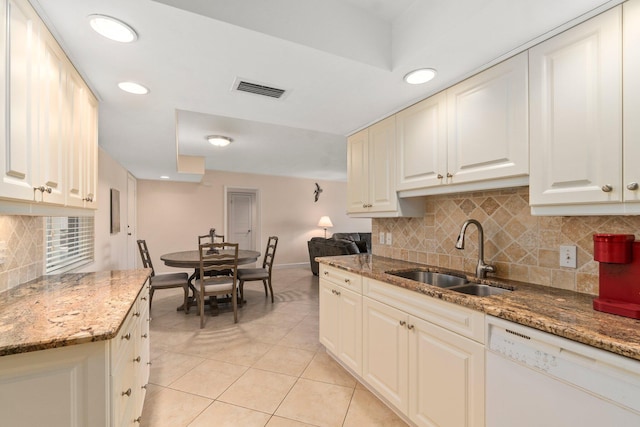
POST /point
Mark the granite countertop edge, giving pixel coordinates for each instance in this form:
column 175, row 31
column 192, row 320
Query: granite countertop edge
column 557, row 311
column 67, row 309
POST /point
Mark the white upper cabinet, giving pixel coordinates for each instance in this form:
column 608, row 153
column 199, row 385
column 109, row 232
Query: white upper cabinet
column 631, row 102
column 19, row 107
column 422, row 143
column 576, row 116
column 371, row 184
column 488, row 124
column 48, row 154
column 473, row 136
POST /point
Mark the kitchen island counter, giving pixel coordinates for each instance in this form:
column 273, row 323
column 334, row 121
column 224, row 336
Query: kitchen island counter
column 67, row 309
column 557, row 311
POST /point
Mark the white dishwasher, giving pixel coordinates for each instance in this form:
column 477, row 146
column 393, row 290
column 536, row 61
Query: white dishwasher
column 536, row 379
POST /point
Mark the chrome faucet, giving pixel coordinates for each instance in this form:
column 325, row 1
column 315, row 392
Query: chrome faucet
column 482, row 268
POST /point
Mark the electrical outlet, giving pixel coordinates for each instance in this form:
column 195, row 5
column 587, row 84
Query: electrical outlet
column 381, row 238
column 388, row 238
column 568, row 256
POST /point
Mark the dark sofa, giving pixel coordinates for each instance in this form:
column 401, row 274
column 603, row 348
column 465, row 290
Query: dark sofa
column 338, row 244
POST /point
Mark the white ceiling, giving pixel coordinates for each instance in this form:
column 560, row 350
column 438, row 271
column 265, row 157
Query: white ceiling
column 341, row 62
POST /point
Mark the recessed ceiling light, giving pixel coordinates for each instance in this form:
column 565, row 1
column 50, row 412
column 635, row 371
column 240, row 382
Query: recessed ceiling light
column 134, row 88
column 422, row 75
column 112, row 28
column 219, row 141
column 164, row 177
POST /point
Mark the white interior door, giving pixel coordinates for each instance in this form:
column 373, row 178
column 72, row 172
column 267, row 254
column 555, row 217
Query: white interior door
column 132, row 249
column 241, row 219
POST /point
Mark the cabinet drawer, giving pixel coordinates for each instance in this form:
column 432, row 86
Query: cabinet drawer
column 461, row 320
column 125, row 336
column 341, row 277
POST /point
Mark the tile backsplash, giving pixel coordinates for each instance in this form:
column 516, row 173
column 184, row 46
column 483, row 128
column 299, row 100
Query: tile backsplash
column 22, row 247
column 521, row 246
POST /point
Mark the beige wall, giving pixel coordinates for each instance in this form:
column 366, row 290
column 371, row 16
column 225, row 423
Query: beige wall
column 171, row 215
column 522, row 247
column 110, row 249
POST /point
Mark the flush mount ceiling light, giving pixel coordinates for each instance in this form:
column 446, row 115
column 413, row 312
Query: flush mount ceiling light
column 135, row 88
column 112, row 28
column 219, row 141
column 419, row 76
column 164, row 177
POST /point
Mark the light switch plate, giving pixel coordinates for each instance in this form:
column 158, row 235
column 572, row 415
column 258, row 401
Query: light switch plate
column 388, row 238
column 568, row 256
column 381, row 238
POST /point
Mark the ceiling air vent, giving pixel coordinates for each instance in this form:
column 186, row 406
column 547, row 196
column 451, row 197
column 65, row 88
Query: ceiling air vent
column 258, row 89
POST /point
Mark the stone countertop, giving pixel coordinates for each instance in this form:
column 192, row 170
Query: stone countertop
column 67, row 309
column 557, row 311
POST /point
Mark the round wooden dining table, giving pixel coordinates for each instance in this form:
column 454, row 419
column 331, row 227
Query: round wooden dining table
column 191, row 259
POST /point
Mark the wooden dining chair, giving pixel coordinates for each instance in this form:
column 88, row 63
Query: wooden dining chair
column 163, row 281
column 212, row 237
column 215, row 258
column 264, row 273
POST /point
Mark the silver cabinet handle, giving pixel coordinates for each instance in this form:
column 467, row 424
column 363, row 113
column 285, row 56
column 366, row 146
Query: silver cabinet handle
column 145, row 336
column 403, row 323
column 607, row 188
column 137, row 359
column 137, row 420
column 632, row 186
column 127, row 393
column 326, row 273
column 439, row 176
column 126, row 337
column 449, row 175
column 137, row 314
column 410, row 327
column 347, row 281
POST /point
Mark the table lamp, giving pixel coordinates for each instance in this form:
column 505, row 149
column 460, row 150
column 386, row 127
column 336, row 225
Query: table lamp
column 325, row 222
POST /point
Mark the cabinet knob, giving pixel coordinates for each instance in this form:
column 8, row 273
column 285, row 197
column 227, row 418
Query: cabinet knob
column 137, row 359
column 440, row 176
column 143, row 298
column 403, row 323
column 632, row 186
column 449, row 175
column 607, row 188
column 137, row 314
column 326, row 273
column 137, row 420
column 145, row 335
column 126, row 337
column 127, row 393
column 347, row 281
column 410, row 327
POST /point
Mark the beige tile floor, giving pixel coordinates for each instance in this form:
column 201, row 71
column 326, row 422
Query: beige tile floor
column 269, row 369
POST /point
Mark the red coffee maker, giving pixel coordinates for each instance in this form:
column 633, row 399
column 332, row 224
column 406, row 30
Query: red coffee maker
column 619, row 257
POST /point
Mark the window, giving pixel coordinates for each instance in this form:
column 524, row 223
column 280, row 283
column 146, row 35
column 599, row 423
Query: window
column 69, row 243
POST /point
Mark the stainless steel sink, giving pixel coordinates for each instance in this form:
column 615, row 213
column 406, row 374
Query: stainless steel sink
column 451, row 282
column 480, row 290
column 442, row 280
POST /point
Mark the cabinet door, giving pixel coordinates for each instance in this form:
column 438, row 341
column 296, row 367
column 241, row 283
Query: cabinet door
column 488, row 124
column 631, row 100
column 89, row 138
column 75, row 108
column 575, row 117
column 329, row 312
column 382, row 189
column 350, row 331
column 16, row 157
column 446, row 385
column 385, row 358
column 51, row 147
column 358, row 172
column 422, row 144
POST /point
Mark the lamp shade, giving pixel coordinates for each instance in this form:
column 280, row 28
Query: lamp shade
column 325, row 222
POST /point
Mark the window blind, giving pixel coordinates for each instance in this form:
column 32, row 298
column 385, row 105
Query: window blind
column 70, row 243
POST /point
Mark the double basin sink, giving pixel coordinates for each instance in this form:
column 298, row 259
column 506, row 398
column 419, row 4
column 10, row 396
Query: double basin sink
column 450, row 281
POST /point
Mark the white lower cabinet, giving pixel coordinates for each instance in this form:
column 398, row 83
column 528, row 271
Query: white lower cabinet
column 423, row 356
column 100, row 383
column 341, row 316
